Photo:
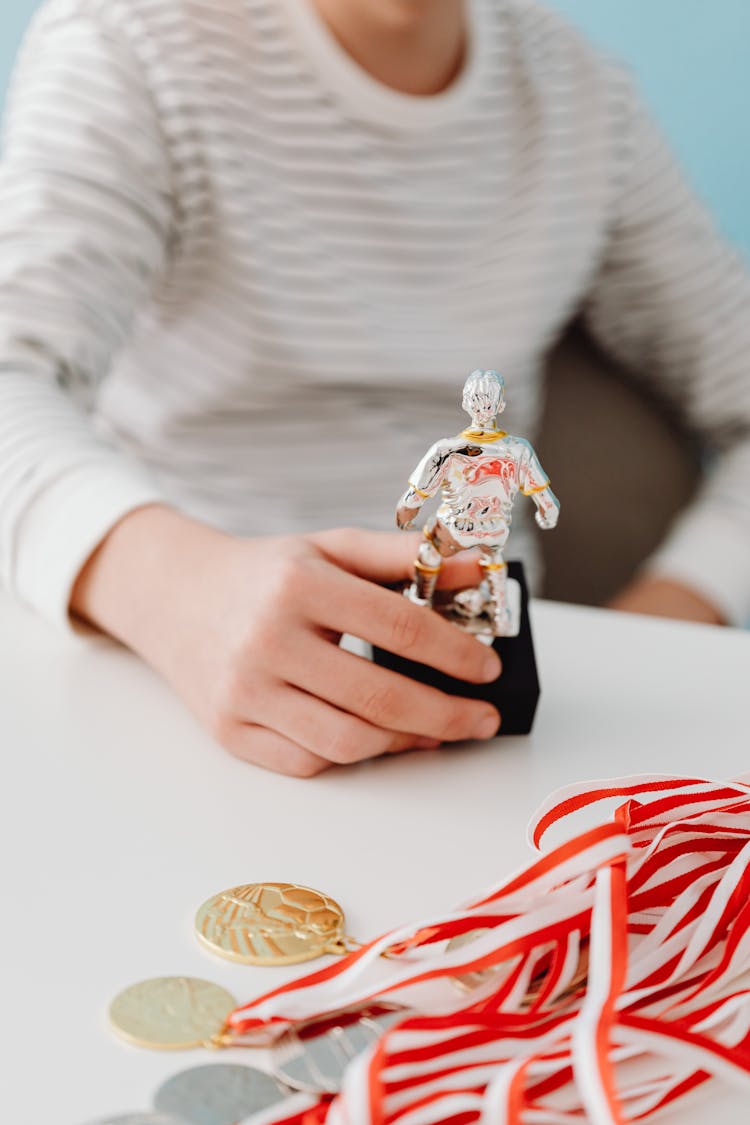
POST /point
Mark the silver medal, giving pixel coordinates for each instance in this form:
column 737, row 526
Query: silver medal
column 314, row 1057
column 218, row 1094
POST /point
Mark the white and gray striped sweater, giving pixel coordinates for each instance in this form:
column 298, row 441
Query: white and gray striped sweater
column 238, row 273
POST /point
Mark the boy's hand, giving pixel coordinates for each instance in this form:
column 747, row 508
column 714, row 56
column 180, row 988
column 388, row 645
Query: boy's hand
column 247, row 632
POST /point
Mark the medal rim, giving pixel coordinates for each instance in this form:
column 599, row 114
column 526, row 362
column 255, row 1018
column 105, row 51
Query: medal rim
column 172, row 1085
column 312, row 953
column 185, row 1044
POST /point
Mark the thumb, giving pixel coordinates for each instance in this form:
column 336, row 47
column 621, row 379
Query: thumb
column 380, row 556
column 387, row 556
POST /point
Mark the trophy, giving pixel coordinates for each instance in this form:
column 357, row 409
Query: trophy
column 478, row 475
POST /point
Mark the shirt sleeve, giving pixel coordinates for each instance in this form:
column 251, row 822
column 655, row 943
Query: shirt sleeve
column 671, row 301
column 85, row 214
column 430, row 472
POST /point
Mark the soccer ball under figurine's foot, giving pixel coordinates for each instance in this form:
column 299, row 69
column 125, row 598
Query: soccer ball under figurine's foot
column 475, row 611
column 478, row 475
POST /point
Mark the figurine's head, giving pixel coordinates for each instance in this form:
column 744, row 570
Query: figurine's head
column 484, row 397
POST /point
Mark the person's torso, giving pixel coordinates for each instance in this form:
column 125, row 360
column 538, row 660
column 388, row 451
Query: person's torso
column 346, row 255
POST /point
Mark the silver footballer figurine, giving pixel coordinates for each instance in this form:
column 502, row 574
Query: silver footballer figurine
column 478, row 474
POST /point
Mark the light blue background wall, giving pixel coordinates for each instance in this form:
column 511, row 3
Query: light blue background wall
column 14, row 15
column 692, row 58
column 693, row 61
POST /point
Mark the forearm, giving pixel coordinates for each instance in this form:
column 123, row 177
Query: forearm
column 662, row 597
column 708, row 547
column 86, row 217
column 61, row 489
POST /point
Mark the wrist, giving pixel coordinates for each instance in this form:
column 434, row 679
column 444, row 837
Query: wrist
column 139, row 571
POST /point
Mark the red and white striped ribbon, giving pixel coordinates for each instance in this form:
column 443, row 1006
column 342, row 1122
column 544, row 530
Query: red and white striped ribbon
column 610, row 975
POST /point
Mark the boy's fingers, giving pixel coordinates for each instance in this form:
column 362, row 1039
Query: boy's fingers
column 327, row 731
column 272, row 751
column 460, row 570
column 383, row 698
column 345, row 604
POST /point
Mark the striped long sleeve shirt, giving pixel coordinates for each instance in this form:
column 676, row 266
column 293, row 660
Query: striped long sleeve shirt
column 239, row 275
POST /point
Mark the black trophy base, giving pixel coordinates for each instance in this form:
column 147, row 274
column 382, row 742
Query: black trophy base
column 516, row 691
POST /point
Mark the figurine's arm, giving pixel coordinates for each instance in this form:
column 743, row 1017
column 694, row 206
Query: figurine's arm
column 535, row 483
column 408, row 507
column 425, row 481
column 547, row 507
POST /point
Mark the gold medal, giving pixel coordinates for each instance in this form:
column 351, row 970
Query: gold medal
column 171, row 1013
column 271, row 924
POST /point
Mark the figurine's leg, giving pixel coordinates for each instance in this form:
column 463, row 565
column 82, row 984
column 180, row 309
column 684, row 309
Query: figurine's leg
column 437, row 544
column 496, row 572
column 427, row 567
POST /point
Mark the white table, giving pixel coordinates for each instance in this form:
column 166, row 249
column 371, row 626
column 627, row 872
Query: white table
column 120, row 816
